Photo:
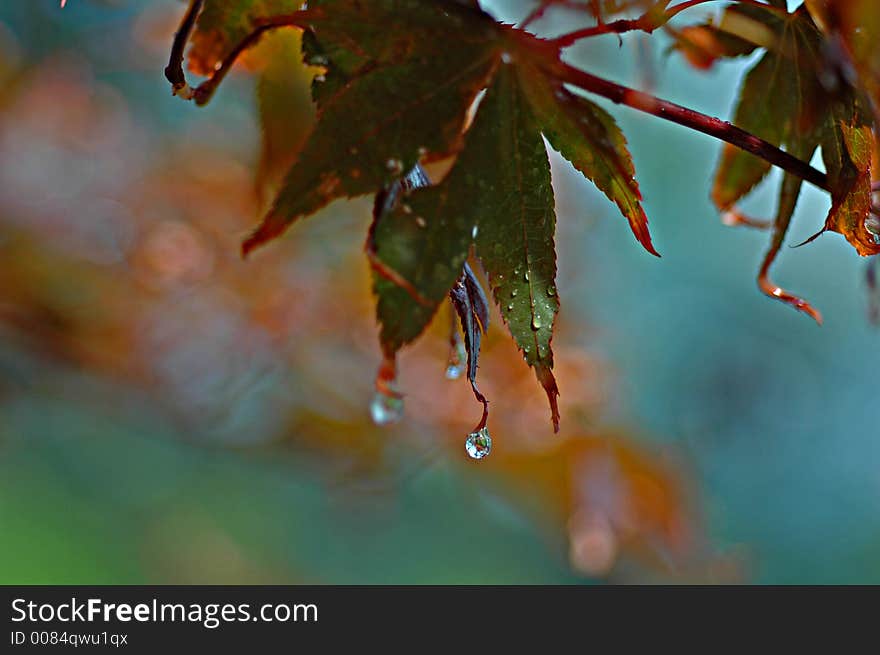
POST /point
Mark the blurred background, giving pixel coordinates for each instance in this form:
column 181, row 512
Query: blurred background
column 172, row 414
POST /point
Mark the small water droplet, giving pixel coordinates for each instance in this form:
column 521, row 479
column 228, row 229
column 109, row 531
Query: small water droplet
column 386, row 408
column 421, row 222
column 395, row 166
column 478, row 444
column 536, row 322
column 506, row 57
column 526, row 276
column 510, row 307
column 872, row 225
column 551, row 290
column 474, row 232
column 320, row 78
column 513, row 293
column 457, row 361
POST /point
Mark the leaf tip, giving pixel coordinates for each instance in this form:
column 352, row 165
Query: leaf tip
column 271, row 227
column 548, row 381
column 778, row 293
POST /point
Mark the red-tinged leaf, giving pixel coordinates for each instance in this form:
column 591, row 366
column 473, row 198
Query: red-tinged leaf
column 589, row 138
column 848, row 150
column 223, row 24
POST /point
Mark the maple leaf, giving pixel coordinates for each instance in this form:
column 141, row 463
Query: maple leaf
column 498, row 198
column 389, row 101
column 805, row 113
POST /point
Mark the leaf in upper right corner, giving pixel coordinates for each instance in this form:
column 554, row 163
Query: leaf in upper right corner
column 782, row 100
column 588, row 137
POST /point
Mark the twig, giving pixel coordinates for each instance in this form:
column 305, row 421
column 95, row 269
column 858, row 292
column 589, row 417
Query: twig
column 647, row 22
column 694, row 120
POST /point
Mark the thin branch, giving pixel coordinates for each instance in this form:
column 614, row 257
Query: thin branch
column 647, row 22
column 694, row 120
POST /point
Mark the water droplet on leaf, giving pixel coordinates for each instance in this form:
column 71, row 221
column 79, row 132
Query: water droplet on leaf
column 536, row 322
column 478, row 444
column 872, row 225
column 386, row 408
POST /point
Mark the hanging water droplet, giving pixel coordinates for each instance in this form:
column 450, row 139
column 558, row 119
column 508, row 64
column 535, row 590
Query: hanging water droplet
column 395, row 166
column 386, row 408
column 478, row 444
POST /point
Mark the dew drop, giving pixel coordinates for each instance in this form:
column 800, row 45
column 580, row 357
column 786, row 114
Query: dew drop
column 536, row 322
column 395, row 166
column 506, row 57
column 386, row 408
column 421, row 222
column 551, row 291
column 510, row 307
column 513, row 293
column 872, row 225
column 474, row 232
column 457, row 362
column 526, row 276
column 478, row 444
column 319, row 78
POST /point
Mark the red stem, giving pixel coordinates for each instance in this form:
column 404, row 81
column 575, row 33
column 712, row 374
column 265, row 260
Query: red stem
column 694, row 120
column 648, row 22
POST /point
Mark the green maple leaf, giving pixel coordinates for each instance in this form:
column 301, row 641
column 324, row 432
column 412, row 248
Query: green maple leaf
column 498, row 198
